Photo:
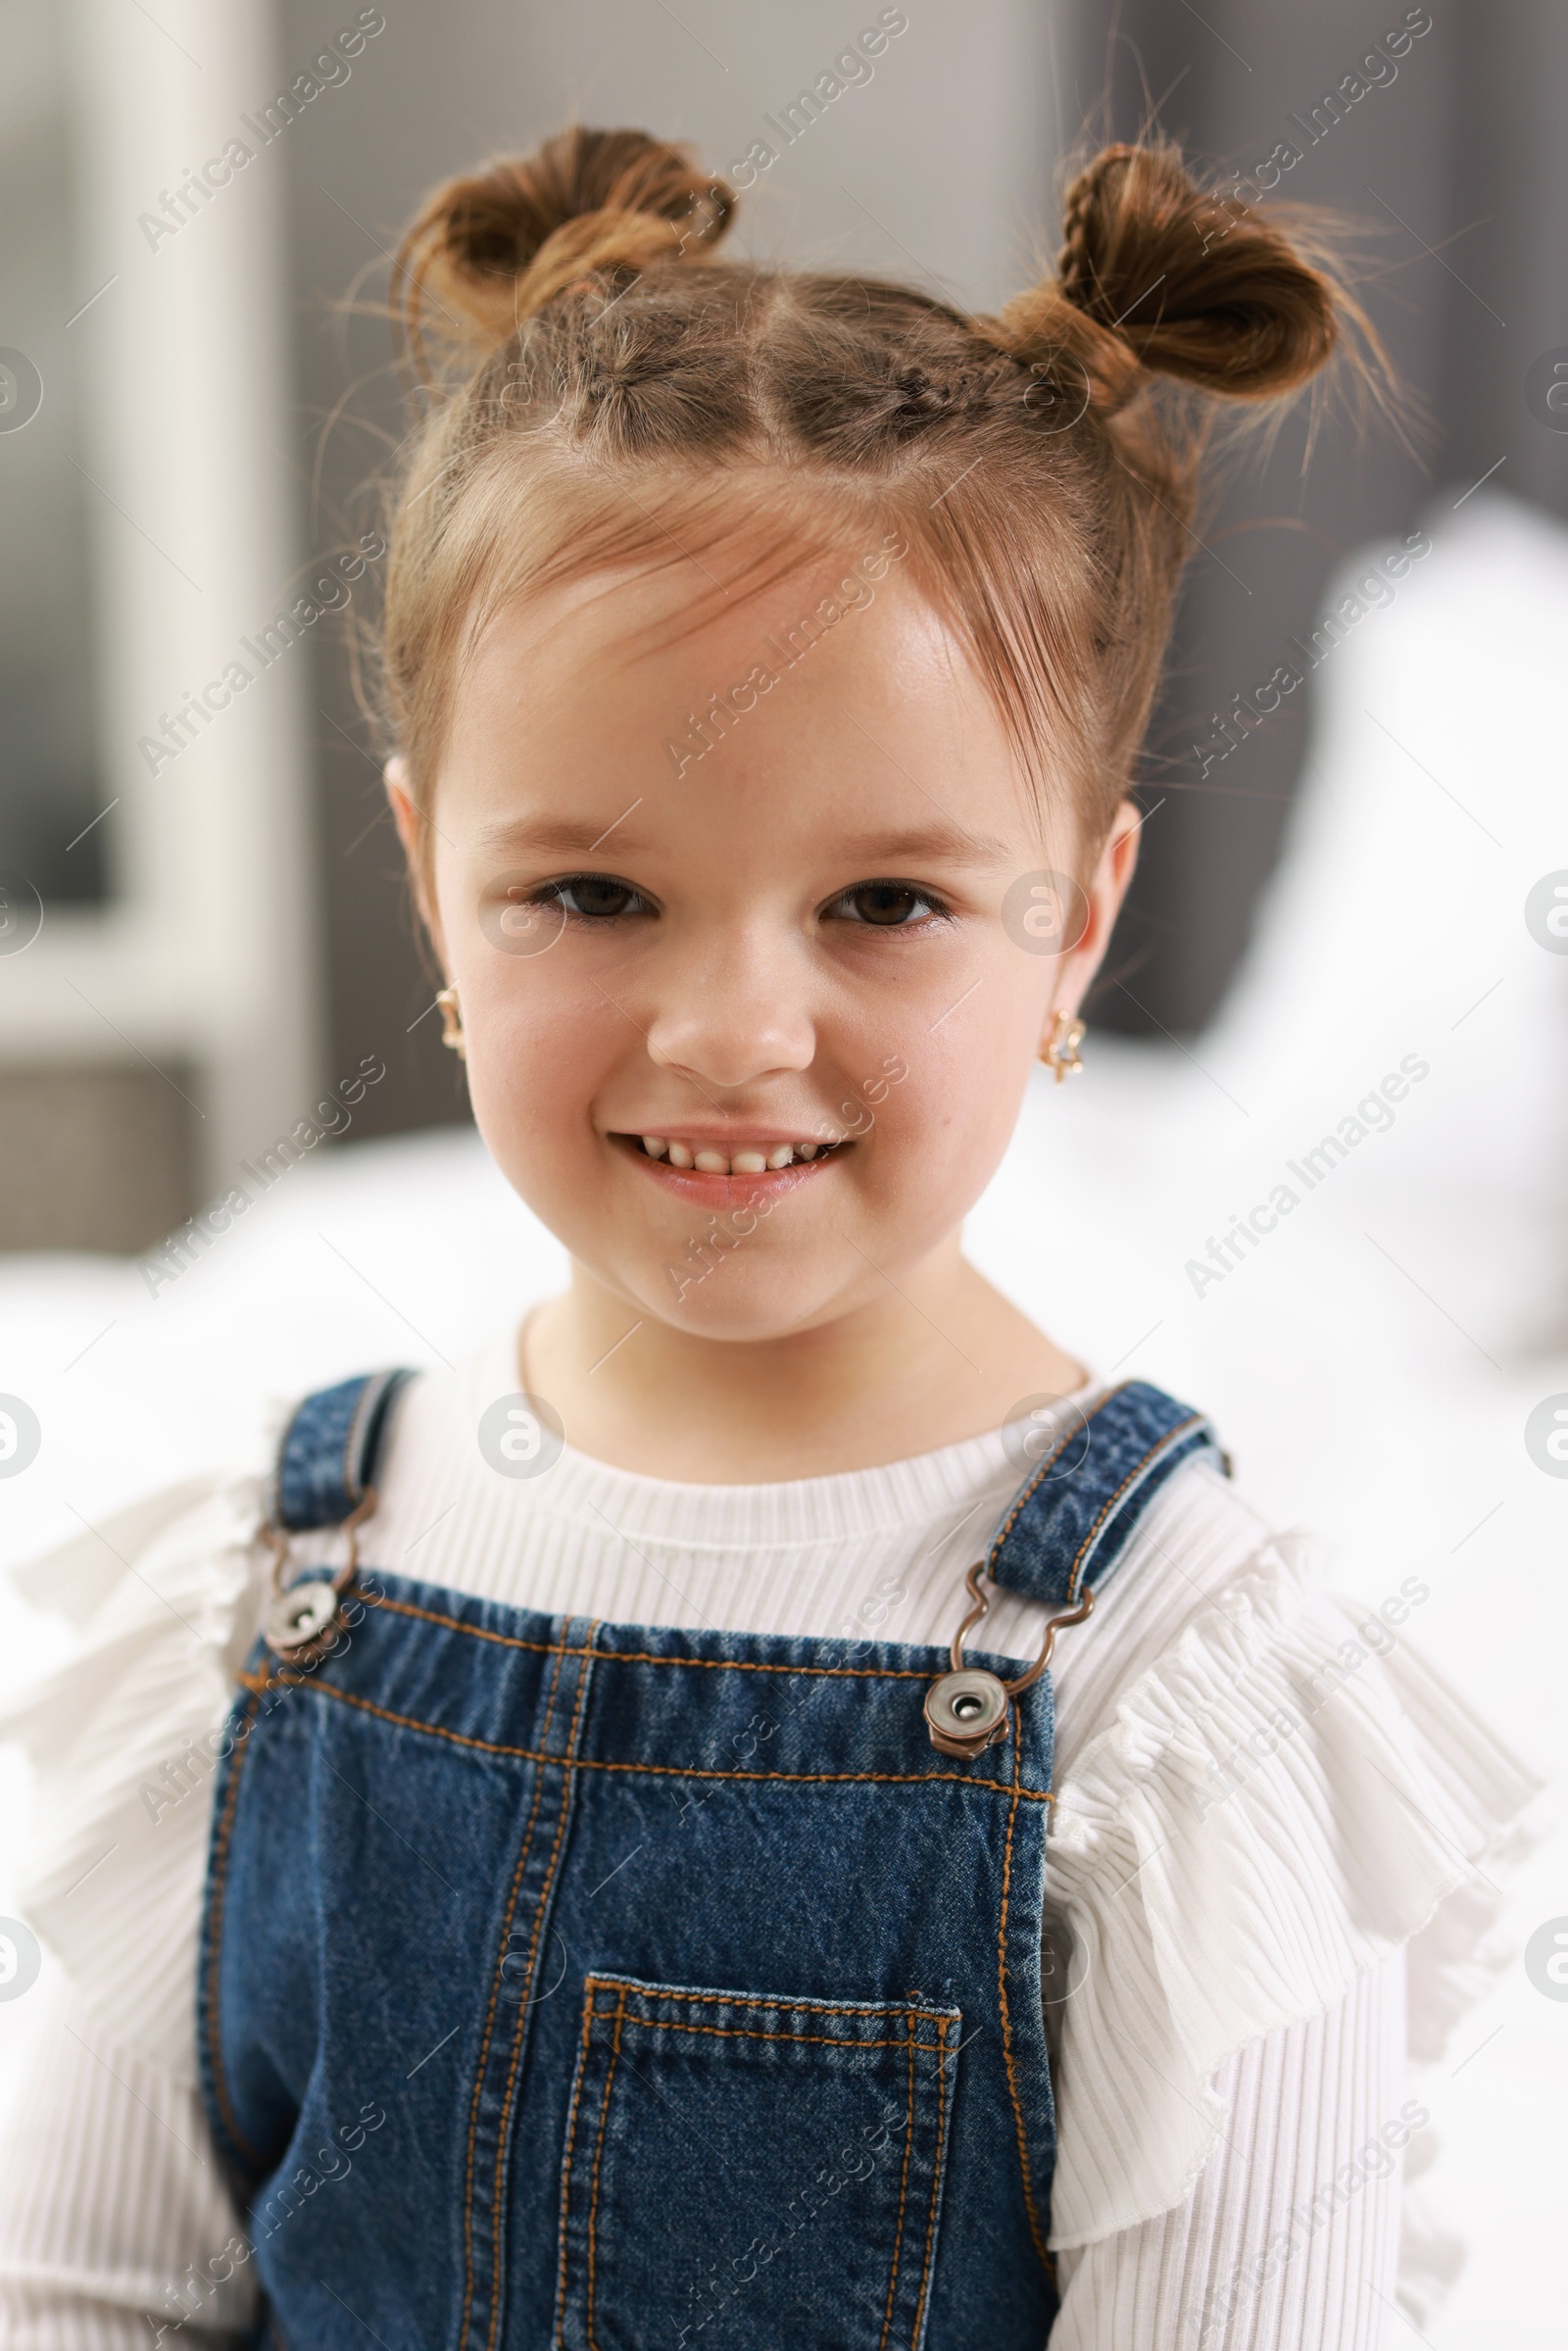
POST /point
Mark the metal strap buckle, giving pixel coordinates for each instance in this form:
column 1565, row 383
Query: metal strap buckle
column 306, row 1617
column 968, row 1709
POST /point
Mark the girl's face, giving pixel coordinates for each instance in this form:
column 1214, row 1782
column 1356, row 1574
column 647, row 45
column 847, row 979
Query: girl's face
column 751, row 987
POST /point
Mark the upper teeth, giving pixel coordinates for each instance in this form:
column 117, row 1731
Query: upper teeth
column 751, row 1161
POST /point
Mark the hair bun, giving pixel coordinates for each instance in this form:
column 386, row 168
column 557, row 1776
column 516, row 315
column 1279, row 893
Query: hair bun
column 494, row 246
column 1156, row 276
column 1201, row 289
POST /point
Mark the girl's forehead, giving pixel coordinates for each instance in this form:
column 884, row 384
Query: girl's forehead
column 814, row 663
column 840, row 689
column 662, row 642
column 764, row 663
column 646, row 608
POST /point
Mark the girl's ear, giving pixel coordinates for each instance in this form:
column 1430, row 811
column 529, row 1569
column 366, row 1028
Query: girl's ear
column 1107, row 887
column 412, row 830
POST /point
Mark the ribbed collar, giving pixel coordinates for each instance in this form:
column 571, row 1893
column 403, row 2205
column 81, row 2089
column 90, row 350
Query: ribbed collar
column 791, row 1512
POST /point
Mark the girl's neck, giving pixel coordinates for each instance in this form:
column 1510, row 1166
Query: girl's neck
column 941, row 1358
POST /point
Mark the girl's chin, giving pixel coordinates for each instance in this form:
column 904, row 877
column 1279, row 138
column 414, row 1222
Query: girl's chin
column 705, row 1312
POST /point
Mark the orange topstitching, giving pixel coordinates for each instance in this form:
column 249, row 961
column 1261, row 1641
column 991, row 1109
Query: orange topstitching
column 489, row 2024
column 517, row 2039
column 267, row 1679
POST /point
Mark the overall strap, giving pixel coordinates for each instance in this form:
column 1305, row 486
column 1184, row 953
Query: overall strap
column 1070, row 1523
column 328, row 1460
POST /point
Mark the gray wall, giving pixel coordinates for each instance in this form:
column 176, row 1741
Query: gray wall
column 50, row 784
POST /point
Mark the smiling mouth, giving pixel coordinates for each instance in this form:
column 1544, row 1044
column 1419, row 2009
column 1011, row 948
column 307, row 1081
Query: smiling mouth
column 691, row 1156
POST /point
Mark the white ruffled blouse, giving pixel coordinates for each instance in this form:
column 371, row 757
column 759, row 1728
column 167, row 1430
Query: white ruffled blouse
column 1263, row 1795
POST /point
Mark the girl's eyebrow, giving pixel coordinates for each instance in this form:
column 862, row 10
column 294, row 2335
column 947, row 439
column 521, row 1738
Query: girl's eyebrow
column 954, row 844
column 569, row 834
column 950, row 843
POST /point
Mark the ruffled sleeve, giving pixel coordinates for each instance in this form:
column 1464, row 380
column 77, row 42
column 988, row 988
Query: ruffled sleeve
column 1287, row 1796
column 122, row 1743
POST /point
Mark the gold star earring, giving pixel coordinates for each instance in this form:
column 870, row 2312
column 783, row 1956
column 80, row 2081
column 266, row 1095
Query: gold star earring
column 452, row 1022
column 1059, row 1052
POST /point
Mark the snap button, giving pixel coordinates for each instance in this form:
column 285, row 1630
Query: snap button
column 302, row 1623
column 967, row 1712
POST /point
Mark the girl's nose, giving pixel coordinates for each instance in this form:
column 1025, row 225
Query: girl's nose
column 727, row 1025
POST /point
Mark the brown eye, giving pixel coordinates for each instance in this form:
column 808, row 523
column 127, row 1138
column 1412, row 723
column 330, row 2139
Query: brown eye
column 888, row 906
column 596, row 895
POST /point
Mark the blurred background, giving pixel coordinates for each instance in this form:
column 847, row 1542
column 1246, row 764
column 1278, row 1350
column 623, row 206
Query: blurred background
column 203, row 923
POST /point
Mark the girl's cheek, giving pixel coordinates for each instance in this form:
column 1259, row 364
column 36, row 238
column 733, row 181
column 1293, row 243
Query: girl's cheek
column 537, row 1054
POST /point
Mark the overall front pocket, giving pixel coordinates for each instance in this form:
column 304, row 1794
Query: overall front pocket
column 751, row 2174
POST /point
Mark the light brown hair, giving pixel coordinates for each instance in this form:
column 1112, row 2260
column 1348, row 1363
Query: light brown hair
column 600, row 388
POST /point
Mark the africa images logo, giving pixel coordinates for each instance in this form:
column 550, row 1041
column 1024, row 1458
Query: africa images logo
column 1373, row 1115
column 522, row 1436
column 1547, row 1958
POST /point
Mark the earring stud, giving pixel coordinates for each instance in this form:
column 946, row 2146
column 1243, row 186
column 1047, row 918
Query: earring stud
column 452, row 1034
column 1059, row 1052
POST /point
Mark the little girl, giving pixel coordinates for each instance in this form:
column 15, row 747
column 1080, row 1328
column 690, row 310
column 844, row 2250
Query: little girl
column 604, row 1851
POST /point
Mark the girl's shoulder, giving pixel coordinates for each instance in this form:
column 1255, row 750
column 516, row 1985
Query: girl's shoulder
column 1263, row 1789
column 164, row 1598
column 194, row 1527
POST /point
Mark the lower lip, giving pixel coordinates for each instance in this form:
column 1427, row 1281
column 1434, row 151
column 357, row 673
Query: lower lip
column 729, row 1191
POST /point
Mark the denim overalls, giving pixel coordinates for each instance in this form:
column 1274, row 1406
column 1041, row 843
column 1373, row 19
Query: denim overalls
column 592, row 1984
